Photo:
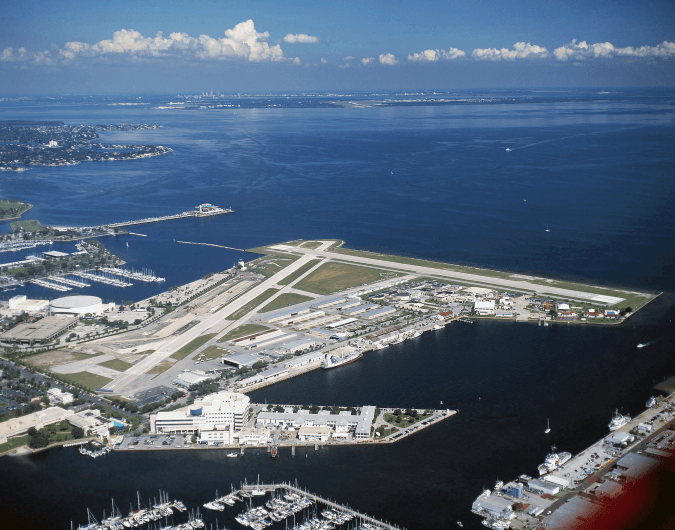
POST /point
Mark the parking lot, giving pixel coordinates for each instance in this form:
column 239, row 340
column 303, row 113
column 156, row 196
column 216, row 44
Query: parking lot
column 155, row 441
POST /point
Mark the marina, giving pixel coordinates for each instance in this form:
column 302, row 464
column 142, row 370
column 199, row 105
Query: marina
column 298, row 509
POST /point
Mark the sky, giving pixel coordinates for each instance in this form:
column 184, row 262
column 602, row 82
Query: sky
column 148, row 46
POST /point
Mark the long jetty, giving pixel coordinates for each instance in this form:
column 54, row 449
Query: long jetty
column 147, row 220
column 293, row 489
column 210, row 245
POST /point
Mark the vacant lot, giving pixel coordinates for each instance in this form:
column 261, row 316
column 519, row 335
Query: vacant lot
column 192, row 346
column 242, row 331
column 284, row 300
column 333, row 277
column 116, row 364
column 56, row 357
column 87, row 379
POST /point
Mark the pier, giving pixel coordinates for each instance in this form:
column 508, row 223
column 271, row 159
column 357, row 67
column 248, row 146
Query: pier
column 247, row 489
column 210, row 245
column 203, row 210
column 144, row 276
column 50, row 285
column 68, row 281
column 102, row 279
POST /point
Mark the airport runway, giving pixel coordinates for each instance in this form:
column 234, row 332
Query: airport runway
column 519, row 285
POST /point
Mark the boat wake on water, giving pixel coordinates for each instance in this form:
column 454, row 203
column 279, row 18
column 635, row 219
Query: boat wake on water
column 645, row 344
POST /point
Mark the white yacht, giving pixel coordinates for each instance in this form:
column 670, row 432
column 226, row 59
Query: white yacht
column 651, row 402
column 553, row 461
column 618, row 421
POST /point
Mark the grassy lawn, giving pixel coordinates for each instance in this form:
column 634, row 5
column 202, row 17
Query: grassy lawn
column 11, row 209
column 405, row 419
column 57, row 357
column 302, row 270
column 332, row 277
column 116, row 364
column 634, row 300
column 29, row 225
column 13, row 443
column 284, row 300
column 86, row 379
column 242, row 331
column 192, row 346
column 311, row 244
column 385, row 432
column 160, row 367
column 212, row 352
column 258, row 300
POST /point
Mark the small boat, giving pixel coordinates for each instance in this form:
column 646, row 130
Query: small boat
column 231, row 455
column 548, row 229
column 548, row 427
column 651, row 402
column 459, row 523
column 508, row 149
column 273, row 452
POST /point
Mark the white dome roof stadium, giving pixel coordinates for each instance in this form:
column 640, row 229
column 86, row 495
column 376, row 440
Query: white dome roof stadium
column 77, row 305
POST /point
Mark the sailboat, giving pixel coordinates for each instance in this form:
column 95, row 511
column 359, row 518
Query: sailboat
column 548, row 427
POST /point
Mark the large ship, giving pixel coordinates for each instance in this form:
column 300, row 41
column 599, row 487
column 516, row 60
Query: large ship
column 553, row 461
column 331, row 361
column 618, row 421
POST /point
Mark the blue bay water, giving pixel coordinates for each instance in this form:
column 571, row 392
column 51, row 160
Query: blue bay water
column 433, row 182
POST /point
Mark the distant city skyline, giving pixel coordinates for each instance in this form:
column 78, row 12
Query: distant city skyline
column 153, row 47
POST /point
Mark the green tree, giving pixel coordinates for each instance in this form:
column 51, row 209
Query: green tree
column 77, row 433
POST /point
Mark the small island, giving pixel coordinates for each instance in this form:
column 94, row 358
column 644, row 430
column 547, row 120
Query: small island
column 11, row 209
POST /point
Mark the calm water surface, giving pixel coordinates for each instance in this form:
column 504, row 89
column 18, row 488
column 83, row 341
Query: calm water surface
column 431, row 182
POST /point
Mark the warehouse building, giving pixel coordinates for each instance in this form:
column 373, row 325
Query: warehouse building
column 40, row 331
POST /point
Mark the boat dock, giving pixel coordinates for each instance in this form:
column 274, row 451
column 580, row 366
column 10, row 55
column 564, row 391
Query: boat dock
column 50, row 285
column 145, row 276
column 248, row 489
column 102, row 279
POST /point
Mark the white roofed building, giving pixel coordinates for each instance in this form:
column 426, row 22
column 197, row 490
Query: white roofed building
column 486, row 307
column 210, row 413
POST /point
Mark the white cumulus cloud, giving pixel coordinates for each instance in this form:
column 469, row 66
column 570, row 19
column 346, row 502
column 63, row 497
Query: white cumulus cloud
column 301, row 38
column 242, row 43
column 348, row 58
column 604, row 50
column 431, row 56
column 388, row 59
column 521, row 50
column 323, row 61
column 367, row 60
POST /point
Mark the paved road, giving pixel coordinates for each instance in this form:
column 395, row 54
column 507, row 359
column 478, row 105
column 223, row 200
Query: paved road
column 125, row 381
column 520, row 285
